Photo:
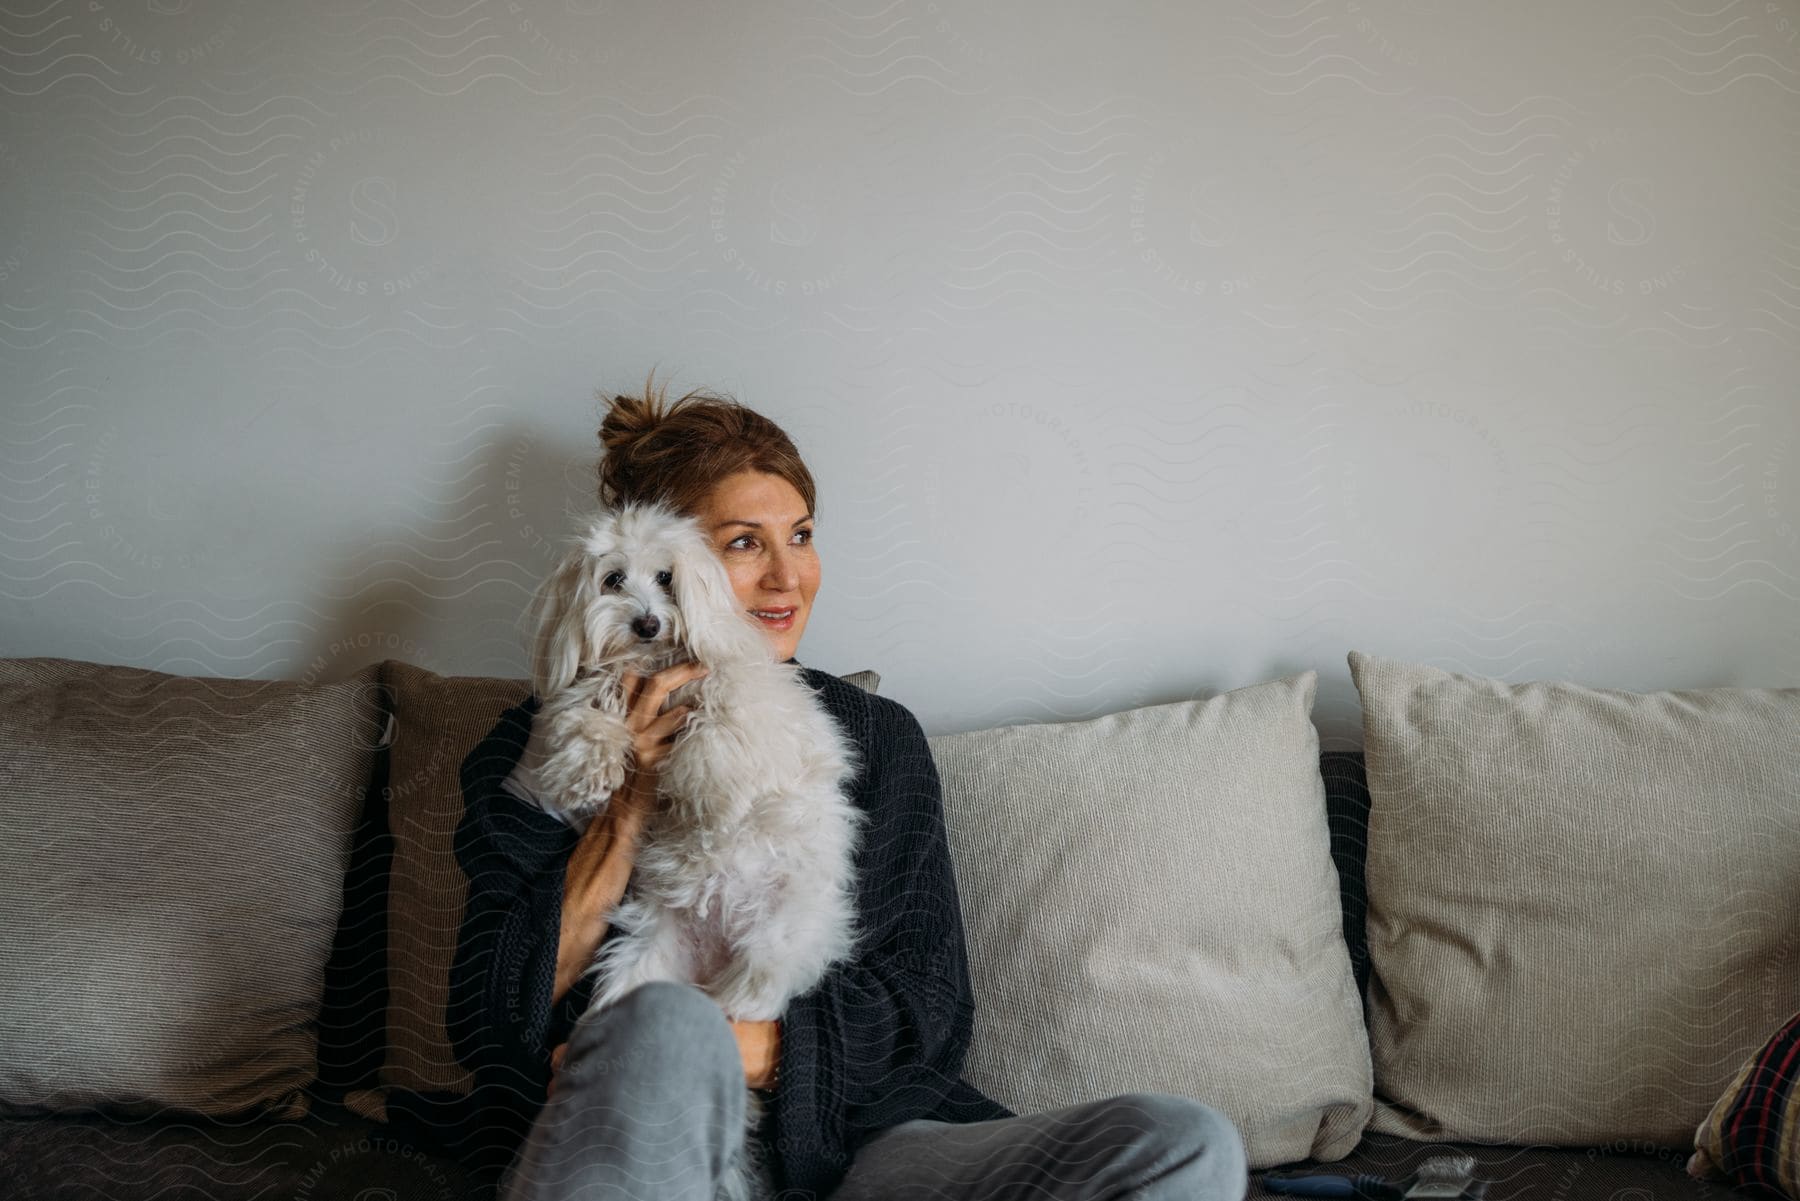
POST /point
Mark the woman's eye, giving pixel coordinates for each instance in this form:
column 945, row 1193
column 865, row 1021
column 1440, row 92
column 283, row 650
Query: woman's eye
column 733, row 544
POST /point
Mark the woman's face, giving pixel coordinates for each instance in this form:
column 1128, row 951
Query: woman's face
column 759, row 526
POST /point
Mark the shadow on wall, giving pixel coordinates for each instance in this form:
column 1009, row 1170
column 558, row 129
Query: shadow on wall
column 495, row 529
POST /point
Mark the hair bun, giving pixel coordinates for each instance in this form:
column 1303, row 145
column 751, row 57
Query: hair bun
column 630, row 423
column 629, row 419
column 675, row 452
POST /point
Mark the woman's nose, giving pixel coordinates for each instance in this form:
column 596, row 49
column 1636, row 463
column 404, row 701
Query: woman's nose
column 782, row 577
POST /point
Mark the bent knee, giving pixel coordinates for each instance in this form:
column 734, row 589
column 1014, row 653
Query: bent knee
column 1202, row 1141
column 670, row 1001
column 657, row 1001
column 666, row 1012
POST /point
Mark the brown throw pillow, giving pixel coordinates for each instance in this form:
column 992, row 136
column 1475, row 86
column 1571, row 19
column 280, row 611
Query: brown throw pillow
column 437, row 722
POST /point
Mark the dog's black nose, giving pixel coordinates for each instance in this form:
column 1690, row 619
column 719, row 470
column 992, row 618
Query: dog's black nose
column 645, row 626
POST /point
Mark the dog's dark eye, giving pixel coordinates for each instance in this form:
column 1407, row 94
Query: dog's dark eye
column 613, row 579
column 665, row 578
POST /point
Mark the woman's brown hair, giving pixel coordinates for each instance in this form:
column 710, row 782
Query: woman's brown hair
column 653, row 449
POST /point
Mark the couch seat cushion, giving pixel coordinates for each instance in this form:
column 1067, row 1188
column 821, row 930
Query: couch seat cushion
column 331, row 1155
column 1608, row 1172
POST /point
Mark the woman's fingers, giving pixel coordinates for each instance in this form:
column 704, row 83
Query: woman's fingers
column 669, row 679
column 556, row 1058
column 647, row 704
column 654, row 741
column 653, row 730
column 681, row 673
column 666, row 726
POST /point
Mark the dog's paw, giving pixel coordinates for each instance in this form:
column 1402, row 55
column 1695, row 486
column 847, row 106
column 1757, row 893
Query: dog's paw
column 583, row 790
column 588, row 757
column 605, row 763
column 604, row 778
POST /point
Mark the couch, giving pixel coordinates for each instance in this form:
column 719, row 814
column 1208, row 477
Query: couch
column 312, row 942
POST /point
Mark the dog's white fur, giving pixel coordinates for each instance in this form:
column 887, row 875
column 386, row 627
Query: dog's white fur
column 742, row 881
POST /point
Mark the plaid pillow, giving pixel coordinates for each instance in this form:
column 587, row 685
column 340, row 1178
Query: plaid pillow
column 1752, row 1136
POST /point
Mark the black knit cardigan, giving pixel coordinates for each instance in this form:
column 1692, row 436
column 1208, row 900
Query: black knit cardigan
column 878, row 1041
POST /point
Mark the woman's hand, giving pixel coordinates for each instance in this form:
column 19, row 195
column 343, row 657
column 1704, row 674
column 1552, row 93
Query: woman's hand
column 556, row 1058
column 599, row 866
column 759, row 1045
column 653, row 731
column 587, row 880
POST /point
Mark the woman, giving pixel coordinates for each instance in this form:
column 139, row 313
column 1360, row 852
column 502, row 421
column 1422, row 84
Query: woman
column 861, row 1072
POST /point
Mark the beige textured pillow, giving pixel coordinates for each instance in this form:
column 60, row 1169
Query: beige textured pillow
column 1151, row 905
column 437, row 722
column 867, row 679
column 172, row 858
column 1584, row 904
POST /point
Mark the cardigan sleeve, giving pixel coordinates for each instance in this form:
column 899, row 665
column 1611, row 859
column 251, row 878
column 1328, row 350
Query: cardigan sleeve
column 881, row 1038
column 498, row 1014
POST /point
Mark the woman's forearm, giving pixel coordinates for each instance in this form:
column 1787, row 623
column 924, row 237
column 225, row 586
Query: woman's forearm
column 599, row 868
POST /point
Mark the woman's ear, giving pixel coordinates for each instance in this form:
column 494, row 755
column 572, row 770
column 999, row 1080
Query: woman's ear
column 560, row 642
column 715, row 628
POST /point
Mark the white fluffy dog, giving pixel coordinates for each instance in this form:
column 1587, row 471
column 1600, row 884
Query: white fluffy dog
column 742, row 881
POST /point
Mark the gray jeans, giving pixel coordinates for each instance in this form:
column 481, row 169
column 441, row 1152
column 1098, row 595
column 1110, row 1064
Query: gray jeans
column 650, row 1103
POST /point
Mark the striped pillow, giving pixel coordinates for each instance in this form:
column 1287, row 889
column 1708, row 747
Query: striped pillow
column 1752, row 1136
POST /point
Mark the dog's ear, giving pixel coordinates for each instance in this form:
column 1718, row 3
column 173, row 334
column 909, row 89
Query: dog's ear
column 559, row 609
column 716, row 627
